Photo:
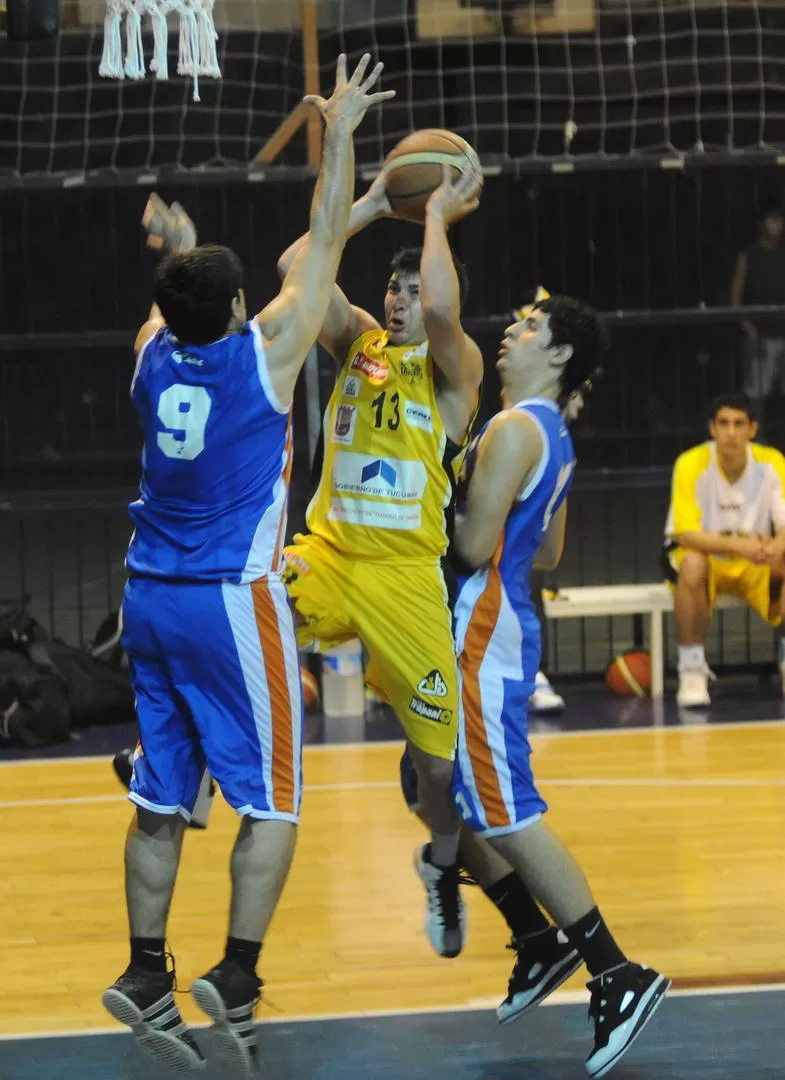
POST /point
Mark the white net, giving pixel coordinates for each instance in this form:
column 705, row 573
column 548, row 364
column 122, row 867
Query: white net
column 197, row 40
column 547, row 80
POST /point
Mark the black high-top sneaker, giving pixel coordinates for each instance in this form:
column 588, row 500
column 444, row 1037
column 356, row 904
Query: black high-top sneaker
column 144, row 1001
column 229, row 996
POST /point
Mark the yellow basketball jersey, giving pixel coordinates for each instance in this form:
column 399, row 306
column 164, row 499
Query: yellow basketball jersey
column 703, row 499
column 387, row 478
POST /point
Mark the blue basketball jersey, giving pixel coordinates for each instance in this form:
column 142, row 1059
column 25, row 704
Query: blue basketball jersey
column 215, row 463
column 531, row 514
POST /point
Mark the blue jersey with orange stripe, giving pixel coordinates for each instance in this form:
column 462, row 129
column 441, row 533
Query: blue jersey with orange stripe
column 497, row 636
column 215, row 464
column 531, row 514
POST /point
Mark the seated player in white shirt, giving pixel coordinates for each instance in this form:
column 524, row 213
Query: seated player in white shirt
column 725, row 533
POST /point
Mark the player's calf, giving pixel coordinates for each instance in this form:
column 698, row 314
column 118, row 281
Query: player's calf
column 436, row 863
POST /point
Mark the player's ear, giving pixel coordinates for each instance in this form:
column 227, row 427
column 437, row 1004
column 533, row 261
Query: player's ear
column 238, row 306
column 753, row 429
column 559, row 355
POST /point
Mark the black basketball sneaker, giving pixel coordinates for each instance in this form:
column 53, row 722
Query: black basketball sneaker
column 623, row 1000
column 229, row 996
column 543, row 963
column 144, row 1001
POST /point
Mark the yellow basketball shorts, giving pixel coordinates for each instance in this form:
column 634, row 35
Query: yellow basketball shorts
column 744, row 578
column 400, row 613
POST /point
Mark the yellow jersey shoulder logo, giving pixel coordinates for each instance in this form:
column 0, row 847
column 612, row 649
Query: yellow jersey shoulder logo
column 411, row 367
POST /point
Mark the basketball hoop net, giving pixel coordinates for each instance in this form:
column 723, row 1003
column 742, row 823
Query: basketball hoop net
column 197, row 55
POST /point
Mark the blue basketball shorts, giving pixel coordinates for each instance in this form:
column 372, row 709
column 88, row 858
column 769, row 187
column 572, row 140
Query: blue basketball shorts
column 498, row 654
column 216, row 675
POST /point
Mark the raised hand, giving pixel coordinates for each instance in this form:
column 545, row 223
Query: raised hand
column 351, row 98
column 168, row 228
column 454, row 200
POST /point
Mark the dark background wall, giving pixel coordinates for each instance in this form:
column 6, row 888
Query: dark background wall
column 652, row 247
column 75, row 283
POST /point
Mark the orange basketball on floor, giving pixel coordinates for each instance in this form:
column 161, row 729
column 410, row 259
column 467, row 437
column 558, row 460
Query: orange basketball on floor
column 630, row 674
column 310, row 690
column 414, row 168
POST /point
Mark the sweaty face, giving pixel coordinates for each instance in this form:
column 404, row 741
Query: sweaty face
column 525, row 348
column 403, row 310
column 732, row 430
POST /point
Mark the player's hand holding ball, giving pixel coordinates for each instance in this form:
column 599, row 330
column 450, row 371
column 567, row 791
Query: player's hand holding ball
column 377, row 199
column 454, row 199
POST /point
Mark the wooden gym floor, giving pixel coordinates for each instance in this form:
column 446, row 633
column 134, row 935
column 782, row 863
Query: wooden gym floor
column 681, row 832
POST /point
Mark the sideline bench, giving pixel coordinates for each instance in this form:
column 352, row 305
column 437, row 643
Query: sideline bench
column 653, row 599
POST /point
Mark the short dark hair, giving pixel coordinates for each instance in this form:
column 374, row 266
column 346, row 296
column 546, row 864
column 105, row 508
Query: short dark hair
column 742, row 402
column 574, row 323
column 407, row 261
column 195, row 290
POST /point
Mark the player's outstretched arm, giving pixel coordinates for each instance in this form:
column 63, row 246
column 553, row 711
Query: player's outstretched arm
column 456, row 356
column 345, row 321
column 509, row 453
column 291, row 323
column 169, row 230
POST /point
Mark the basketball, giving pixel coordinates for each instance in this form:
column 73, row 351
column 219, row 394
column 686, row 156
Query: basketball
column 414, row 168
column 310, row 690
column 630, row 674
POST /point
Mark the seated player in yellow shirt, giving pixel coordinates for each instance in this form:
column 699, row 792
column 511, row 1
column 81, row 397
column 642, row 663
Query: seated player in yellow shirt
column 725, row 533
column 371, row 563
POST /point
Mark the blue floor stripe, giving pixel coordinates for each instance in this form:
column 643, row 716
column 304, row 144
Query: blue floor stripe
column 728, row 1036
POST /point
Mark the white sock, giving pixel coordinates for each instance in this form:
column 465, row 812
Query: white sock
column 692, row 658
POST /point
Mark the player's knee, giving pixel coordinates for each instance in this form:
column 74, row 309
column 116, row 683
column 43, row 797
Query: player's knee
column 694, row 569
column 157, row 824
column 434, row 772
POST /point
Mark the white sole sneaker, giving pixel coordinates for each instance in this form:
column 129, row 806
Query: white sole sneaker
column 165, row 1047
column 540, row 986
column 231, row 1041
column 624, row 1036
column 445, row 941
column 693, row 691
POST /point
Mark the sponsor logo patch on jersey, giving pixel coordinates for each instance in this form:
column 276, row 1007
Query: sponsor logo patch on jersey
column 433, row 685
column 351, row 386
column 385, row 478
column 418, row 416
column 184, row 358
column 375, row 371
column 345, row 423
column 430, row 712
column 374, row 514
column 412, row 371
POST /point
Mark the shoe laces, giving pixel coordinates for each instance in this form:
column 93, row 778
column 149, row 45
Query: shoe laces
column 171, row 969
column 448, row 894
